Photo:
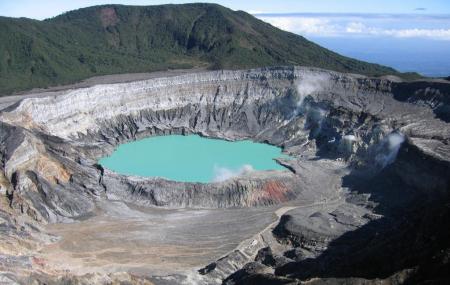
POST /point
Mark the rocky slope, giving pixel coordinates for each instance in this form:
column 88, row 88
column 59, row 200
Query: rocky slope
column 369, row 182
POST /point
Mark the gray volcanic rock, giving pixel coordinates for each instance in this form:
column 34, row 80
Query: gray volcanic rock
column 313, row 231
column 255, row 189
column 363, row 198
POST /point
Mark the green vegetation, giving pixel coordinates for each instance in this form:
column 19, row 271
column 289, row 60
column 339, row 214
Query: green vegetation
column 112, row 39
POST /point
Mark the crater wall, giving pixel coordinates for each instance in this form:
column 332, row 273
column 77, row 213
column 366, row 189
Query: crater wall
column 373, row 127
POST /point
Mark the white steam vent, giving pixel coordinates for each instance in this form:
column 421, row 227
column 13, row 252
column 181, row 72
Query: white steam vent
column 346, row 144
column 224, row 173
column 308, row 85
column 389, row 149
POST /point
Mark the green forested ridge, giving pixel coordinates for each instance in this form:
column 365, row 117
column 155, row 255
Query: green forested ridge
column 124, row 39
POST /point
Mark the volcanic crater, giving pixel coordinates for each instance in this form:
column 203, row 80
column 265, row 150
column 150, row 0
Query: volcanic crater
column 367, row 182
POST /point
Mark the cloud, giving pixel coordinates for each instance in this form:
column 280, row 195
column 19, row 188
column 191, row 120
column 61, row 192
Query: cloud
column 442, row 34
column 254, row 12
column 301, row 25
column 420, row 9
column 355, row 28
column 224, row 173
column 333, row 25
column 360, row 28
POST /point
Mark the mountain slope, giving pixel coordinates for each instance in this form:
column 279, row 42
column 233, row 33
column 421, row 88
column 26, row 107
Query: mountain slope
column 122, row 39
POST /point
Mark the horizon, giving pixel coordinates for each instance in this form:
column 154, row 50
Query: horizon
column 254, row 13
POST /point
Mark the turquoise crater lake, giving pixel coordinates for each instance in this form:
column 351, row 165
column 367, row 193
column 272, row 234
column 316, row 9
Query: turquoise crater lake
column 191, row 158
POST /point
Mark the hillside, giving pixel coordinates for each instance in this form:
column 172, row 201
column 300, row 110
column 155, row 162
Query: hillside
column 124, row 39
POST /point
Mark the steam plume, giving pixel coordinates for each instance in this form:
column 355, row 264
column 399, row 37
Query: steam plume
column 346, row 143
column 308, row 85
column 389, row 149
column 224, row 173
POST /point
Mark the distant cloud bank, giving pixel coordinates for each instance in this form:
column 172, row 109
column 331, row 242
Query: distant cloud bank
column 342, row 25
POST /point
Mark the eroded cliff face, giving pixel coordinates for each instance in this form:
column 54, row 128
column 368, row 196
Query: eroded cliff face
column 363, row 149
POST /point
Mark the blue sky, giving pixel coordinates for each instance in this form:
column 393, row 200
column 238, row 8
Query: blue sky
column 40, row 9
